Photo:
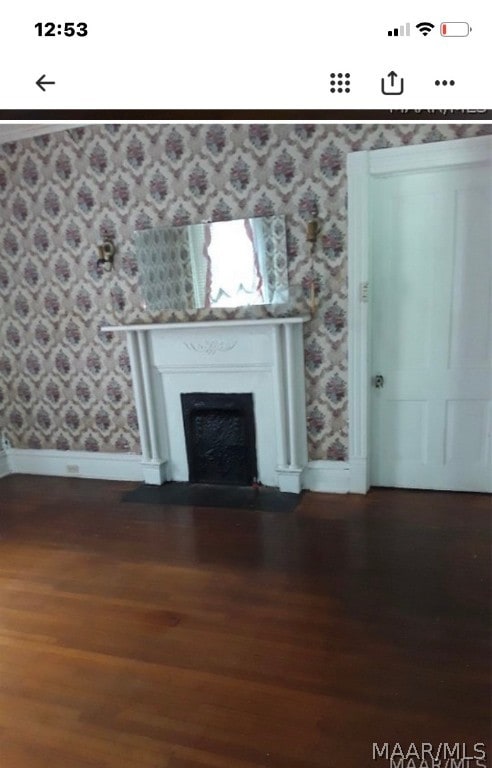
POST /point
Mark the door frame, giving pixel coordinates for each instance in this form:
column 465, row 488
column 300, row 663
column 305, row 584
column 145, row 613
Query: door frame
column 361, row 168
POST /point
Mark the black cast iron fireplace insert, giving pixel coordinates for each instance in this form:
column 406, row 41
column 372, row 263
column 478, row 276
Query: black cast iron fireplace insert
column 220, row 438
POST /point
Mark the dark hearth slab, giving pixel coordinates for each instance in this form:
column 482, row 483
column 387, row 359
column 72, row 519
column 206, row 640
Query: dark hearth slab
column 199, row 495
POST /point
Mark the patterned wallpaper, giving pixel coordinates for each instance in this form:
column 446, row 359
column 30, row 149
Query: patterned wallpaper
column 66, row 385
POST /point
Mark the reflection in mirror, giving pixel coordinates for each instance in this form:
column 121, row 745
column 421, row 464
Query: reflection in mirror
column 220, row 264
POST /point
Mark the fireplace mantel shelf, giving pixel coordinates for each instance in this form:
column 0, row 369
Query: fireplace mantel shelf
column 262, row 357
column 204, row 324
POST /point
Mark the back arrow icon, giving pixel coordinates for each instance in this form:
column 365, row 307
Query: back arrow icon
column 42, row 82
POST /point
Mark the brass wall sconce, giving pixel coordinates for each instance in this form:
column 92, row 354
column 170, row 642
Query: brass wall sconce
column 106, row 255
column 312, row 232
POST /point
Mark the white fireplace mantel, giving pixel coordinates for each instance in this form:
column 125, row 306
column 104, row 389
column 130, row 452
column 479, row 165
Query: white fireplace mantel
column 262, row 357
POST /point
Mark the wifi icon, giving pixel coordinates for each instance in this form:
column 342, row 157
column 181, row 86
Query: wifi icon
column 425, row 27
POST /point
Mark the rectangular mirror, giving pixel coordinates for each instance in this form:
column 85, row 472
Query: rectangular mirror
column 220, row 264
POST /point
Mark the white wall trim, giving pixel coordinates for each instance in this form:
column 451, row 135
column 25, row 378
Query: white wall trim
column 326, row 477
column 19, row 131
column 4, row 464
column 358, row 317
column 361, row 167
column 318, row 476
column 88, row 464
column 424, row 157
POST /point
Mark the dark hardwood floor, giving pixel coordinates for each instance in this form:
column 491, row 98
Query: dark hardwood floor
column 143, row 636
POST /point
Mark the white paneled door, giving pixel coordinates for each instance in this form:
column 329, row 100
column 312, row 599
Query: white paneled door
column 431, row 310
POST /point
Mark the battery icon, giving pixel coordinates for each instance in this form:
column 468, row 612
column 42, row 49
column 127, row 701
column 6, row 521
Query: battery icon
column 455, row 29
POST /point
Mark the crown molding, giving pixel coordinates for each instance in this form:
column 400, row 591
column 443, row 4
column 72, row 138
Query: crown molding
column 18, row 131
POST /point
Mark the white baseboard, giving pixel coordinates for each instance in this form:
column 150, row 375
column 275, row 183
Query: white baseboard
column 4, row 464
column 88, row 464
column 359, row 476
column 321, row 476
column 154, row 472
column 326, row 476
column 289, row 480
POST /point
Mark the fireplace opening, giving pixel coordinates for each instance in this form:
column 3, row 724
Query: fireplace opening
column 220, row 438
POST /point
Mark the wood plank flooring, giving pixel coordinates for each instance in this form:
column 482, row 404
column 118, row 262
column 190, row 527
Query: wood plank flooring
column 144, row 636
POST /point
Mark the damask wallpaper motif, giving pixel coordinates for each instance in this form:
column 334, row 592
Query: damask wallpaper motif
column 66, row 385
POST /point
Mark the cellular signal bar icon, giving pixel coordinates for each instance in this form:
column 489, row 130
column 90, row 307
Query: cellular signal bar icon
column 402, row 31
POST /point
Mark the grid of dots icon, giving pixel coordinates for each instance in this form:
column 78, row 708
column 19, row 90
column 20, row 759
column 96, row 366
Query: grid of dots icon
column 444, row 82
column 340, row 82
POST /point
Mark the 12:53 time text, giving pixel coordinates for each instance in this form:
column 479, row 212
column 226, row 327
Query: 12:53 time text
column 67, row 29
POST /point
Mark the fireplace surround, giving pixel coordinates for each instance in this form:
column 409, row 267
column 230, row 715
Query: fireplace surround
column 263, row 358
